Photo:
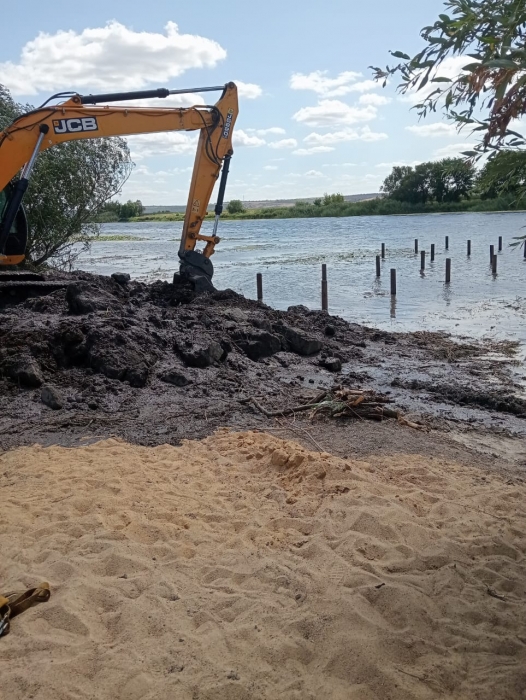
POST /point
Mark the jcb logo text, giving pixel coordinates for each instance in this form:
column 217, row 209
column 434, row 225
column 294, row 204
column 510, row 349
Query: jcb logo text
column 72, row 126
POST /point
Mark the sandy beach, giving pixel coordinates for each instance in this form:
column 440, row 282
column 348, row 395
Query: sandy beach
column 245, row 566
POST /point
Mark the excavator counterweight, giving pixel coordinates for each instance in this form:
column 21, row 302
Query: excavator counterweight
column 82, row 117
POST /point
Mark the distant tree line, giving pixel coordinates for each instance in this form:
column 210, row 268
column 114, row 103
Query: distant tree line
column 455, row 179
column 120, row 211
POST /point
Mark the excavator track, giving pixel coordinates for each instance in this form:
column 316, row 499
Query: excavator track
column 19, row 286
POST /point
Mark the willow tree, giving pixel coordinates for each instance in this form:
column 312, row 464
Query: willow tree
column 71, row 183
column 488, row 91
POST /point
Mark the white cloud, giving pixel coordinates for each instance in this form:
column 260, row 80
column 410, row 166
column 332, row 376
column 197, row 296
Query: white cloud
column 241, row 138
column 284, row 143
column 433, row 130
column 449, row 68
column 277, row 130
column 270, row 167
column 454, row 150
column 375, row 100
column 364, row 86
column 314, row 173
column 390, row 166
column 112, row 57
column 164, row 143
column 364, row 134
column 175, row 101
column 248, row 91
column 318, row 82
column 311, row 151
column 334, row 113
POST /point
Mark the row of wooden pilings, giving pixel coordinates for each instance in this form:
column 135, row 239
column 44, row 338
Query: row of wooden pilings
column 379, row 258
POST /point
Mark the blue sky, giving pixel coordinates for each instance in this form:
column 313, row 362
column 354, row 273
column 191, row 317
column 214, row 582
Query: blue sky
column 311, row 121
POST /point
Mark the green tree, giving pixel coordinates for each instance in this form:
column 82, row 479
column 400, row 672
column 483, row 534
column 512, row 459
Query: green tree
column 490, row 88
column 235, row 206
column 332, row 199
column 451, row 179
column 406, row 184
column 505, row 174
column 130, row 209
column 447, row 180
column 70, row 184
column 392, row 182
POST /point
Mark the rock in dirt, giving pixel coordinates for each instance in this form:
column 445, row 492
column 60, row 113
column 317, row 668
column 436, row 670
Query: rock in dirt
column 137, row 376
column 298, row 310
column 83, row 298
column 333, row 364
column 24, row 370
column 173, row 376
column 52, row 397
column 201, row 355
column 300, row 342
column 257, row 343
column 121, row 277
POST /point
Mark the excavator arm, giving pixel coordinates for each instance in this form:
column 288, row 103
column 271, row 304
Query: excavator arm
column 80, row 117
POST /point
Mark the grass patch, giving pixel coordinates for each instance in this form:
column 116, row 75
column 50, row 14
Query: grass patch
column 380, row 206
column 118, row 237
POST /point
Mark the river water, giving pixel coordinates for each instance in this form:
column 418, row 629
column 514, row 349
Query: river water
column 289, row 253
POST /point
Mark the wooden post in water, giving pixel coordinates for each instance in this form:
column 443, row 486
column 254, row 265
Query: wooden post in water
column 447, row 242
column 525, row 250
column 432, row 252
column 324, row 290
column 491, row 254
column 416, row 246
column 448, row 270
column 500, row 244
column 383, row 251
column 494, row 264
column 469, row 249
column 422, row 260
column 259, row 278
column 393, row 282
column 378, row 266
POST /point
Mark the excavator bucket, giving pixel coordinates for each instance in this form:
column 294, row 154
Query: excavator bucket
column 12, row 250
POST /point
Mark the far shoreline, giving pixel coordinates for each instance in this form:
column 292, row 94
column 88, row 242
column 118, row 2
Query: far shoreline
column 171, row 217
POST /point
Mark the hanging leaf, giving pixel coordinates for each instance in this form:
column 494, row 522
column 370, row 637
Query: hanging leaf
column 399, row 54
column 500, row 63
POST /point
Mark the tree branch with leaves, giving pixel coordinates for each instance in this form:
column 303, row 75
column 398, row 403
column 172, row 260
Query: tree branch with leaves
column 489, row 92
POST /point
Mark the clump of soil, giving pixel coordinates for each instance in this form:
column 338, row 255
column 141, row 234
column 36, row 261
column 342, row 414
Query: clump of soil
column 146, row 361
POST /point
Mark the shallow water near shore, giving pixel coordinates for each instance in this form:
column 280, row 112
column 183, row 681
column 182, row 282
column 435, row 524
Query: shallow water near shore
column 289, row 253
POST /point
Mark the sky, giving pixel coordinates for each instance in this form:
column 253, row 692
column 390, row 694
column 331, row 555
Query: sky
column 311, row 118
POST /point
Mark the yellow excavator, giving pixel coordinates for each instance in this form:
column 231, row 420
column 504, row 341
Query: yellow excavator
column 90, row 116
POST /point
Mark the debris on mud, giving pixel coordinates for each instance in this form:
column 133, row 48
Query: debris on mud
column 157, row 362
column 343, row 402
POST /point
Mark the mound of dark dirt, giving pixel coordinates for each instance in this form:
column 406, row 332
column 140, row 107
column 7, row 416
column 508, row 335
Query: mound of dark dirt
column 144, row 360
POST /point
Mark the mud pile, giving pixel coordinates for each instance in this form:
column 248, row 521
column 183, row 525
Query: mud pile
column 134, row 333
column 143, row 355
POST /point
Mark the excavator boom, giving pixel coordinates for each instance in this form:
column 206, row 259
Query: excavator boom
column 81, row 117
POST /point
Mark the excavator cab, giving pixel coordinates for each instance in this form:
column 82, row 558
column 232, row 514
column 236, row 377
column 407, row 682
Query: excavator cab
column 16, row 242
